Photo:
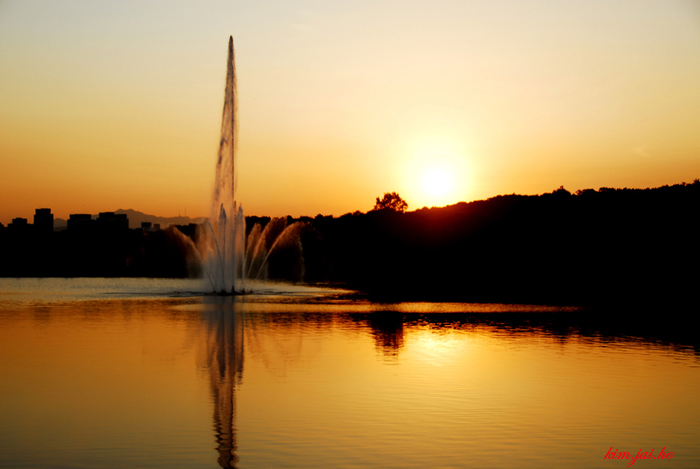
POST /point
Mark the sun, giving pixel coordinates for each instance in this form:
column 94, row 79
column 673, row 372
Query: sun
column 438, row 182
column 435, row 176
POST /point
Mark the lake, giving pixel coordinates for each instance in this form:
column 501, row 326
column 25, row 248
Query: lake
column 114, row 373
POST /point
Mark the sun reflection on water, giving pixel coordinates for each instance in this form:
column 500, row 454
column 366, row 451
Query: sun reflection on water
column 255, row 381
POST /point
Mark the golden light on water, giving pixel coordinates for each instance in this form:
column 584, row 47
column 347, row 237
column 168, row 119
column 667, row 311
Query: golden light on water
column 276, row 381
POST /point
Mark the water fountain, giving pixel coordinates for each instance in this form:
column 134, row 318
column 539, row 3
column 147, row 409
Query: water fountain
column 229, row 265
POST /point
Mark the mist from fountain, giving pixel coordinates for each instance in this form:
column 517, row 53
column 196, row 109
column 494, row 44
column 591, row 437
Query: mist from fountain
column 231, row 264
column 226, row 224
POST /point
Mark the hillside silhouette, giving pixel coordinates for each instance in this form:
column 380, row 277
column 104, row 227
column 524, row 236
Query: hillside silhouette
column 593, row 247
column 610, row 246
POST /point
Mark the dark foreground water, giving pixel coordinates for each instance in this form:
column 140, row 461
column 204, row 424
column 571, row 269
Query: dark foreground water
column 124, row 373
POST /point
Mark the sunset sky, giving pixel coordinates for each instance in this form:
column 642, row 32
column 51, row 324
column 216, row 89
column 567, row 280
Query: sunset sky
column 108, row 105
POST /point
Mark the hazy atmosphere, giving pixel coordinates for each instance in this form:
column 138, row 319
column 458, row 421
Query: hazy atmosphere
column 108, row 105
column 342, row 234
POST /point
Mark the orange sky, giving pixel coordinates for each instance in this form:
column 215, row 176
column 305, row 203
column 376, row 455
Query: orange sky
column 118, row 105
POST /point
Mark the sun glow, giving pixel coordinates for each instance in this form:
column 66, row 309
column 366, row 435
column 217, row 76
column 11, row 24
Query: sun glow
column 438, row 182
column 436, row 175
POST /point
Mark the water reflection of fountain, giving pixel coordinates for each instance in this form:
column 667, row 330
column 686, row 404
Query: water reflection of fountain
column 225, row 362
column 231, row 263
column 225, row 323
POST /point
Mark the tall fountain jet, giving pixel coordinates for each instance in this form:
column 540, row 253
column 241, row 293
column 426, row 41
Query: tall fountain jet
column 226, row 257
column 230, row 267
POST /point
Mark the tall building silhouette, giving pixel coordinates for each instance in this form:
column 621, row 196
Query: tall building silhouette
column 43, row 220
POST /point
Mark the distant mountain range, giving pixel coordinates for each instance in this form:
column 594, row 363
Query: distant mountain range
column 136, row 217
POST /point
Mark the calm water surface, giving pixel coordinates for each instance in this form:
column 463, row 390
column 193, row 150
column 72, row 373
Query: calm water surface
column 150, row 373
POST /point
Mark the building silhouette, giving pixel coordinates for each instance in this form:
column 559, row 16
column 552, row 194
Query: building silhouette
column 79, row 222
column 18, row 224
column 43, row 220
column 111, row 221
column 105, row 222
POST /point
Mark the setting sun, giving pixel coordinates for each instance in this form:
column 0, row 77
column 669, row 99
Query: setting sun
column 436, row 174
column 438, row 182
